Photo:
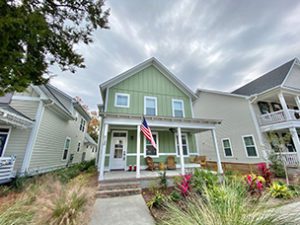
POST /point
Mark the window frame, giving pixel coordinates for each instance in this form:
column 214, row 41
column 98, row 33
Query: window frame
column 116, row 100
column 7, row 138
column 157, row 146
column 78, row 146
column 173, row 108
column 82, row 124
column 226, row 156
column 187, row 144
column 64, row 148
column 145, row 105
column 254, row 145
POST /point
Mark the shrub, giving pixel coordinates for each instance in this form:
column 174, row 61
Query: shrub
column 295, row 190
column 255, row 184
column 202, row 179
column 20, row 182
column 276, row 166
column 175, row 196
column 163, row 180
column 265, row 173
column 185, row 184
column 280, row 190
column 225, row 204
column 156, row 201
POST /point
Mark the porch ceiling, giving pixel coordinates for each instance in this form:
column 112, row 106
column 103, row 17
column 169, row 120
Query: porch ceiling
column 14, row 120
column 159, row 122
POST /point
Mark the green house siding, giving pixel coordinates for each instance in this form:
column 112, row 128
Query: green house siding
column 148, row 82
column 166, row 144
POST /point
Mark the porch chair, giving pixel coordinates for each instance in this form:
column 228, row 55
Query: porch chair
column 151, row 165
column 202, row 160
column 171, row 163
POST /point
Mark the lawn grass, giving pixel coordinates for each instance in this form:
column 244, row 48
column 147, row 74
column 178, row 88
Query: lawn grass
column 63, row 197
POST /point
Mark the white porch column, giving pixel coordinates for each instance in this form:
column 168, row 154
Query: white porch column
column 297, row 100
column 219, row 164
column 103, row 151
column 180, row 150
column 284, row 106
column 138, row 152
column 296, row 141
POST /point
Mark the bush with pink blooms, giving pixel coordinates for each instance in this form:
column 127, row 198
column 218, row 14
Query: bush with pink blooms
column 255, row 184
column 185, row 184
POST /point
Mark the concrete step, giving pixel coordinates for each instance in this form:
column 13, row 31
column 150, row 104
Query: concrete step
column 118, row 185
column 118, row 192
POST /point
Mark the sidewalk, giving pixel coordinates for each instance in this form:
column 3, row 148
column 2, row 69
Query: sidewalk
column 128, row 210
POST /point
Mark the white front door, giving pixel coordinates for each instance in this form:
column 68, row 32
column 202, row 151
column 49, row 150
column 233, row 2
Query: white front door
column 118, row 150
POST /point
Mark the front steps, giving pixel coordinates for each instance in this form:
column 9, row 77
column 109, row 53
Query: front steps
column 109, row 189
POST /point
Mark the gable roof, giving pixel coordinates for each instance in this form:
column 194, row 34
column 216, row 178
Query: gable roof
column 272, row 79
column 89, row 139
column 149, row 62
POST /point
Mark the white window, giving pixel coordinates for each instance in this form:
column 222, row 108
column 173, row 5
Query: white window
column 150, row 106
column 149, row 150
column 227, row 147
column 82, row 125
column 78, row 147
column 250, row 146
column 122, row 100
column 66, row 148
column 178, row 108
column 185, row 145
column 4, row 133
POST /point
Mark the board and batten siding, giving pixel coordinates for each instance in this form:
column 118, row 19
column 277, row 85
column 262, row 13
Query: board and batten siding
column 293, row 80
column 236, row 122
column 148, row 82
column 48, row 148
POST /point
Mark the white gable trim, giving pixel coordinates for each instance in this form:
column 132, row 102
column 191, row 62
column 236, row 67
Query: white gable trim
column 160, row 67
column 288, row 74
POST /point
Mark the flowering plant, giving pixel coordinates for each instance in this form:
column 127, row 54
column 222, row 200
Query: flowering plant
column 185, row 184
column 266, row 173
column 255, row 184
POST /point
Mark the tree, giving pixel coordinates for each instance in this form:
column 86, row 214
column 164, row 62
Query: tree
column 94, row 127
column 35, row 34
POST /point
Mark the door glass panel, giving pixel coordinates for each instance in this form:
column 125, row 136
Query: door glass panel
column 3, row 138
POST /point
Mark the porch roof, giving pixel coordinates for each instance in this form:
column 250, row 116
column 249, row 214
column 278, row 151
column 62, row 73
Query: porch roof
column 11, row 116
column 159, row 121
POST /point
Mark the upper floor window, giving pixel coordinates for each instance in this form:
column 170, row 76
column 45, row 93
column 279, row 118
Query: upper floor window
column 149, row 149
column 178, row 108
column 150, row 106
column 227, row 147
column 250, row 146
column 122, row 100
column 78, row 147
column 185, row 146
column 82, row 125
column 66, row 148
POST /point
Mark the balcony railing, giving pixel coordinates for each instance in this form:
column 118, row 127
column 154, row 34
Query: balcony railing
column 6, row 168
column 278, row 117
column 290, row 158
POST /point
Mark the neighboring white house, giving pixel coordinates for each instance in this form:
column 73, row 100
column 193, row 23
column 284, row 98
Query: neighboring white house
column 89, row 149
column 43, row 128
column 268, row 104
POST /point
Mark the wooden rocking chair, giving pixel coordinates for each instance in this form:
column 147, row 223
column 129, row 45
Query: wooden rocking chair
column 151, row 165
column 171, row 163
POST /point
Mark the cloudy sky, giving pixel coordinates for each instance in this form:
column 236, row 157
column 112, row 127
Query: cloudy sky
column 217, row 45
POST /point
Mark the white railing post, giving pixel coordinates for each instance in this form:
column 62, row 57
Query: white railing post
column 138, row 152
column 296, row 141
column 284, row 106
column 180, row 150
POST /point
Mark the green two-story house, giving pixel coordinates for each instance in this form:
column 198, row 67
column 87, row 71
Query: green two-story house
column 151, row 90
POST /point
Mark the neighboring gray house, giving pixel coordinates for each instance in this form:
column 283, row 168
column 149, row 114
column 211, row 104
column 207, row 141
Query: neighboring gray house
column 43, row 128
column 89, row 148
column 268, row 104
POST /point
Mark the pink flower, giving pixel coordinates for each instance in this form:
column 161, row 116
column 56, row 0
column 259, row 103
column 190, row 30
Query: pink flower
column 259, row 185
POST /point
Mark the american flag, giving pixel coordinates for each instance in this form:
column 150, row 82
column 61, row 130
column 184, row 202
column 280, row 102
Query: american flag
column 147, row 132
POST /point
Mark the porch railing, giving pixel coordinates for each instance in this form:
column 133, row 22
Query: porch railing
column 274, row 117
column 278, row 116
column 289, row 158
column 6, row 168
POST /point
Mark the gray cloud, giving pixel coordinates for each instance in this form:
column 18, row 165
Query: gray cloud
column 208, row 44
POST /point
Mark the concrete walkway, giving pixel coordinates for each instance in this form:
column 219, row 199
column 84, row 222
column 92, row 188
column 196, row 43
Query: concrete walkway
column 126, row 210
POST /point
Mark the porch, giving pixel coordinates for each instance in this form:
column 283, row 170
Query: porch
column 122, row 141
column 6, row 169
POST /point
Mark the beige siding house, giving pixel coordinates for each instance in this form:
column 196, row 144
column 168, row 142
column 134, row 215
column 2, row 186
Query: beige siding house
column 268, row 104
column 43, row 128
